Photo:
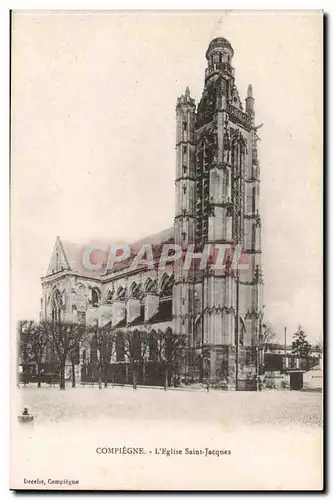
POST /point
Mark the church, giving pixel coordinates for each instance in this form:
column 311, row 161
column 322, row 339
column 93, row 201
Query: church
column 217, row 190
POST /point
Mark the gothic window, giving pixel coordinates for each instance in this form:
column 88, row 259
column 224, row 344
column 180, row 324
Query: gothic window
column 166, row 285
column 57, row 305
column 184, row 236
column 184, row 189
column 150, row 286
column 184, row 126
column 109, row 297
column 121, row 293
column 184, row 150
column 253, row 237
column 184, row 169
column 95, row 297
column 135, row 291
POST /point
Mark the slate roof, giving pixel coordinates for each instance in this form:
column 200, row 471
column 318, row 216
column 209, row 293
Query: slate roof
column 72, row 255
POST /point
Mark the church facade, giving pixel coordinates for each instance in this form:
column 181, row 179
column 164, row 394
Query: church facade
column 217, row 203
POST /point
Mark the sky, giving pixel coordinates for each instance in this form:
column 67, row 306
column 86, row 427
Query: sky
column 93, row 138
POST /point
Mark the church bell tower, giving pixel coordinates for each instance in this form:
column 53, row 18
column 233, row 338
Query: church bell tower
column 217, row 202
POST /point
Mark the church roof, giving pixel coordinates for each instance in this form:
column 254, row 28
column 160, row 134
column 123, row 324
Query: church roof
column 156, row 240
column 219, row 42
column 69, row 256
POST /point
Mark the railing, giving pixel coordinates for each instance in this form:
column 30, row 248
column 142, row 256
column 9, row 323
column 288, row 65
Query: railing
column 218, row 67
column 239, row 115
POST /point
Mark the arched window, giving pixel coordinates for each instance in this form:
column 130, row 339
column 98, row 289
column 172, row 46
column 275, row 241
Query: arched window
column 135, row 290
column 57, row 305
column 121, row 293
column 150, row 286
column 166, row 285
column 95, row 297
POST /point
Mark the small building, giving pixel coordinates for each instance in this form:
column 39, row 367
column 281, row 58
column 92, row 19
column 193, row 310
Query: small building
column 313, row 379
column 283, row 369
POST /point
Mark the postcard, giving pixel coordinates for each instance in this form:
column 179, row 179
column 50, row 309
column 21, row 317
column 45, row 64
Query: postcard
column 166, row 250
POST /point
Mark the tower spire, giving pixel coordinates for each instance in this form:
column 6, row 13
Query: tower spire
column 249, row 102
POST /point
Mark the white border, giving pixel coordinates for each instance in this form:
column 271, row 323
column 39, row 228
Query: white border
column 4, row 171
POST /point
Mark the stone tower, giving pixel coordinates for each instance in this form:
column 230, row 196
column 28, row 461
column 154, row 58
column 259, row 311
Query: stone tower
column 185, row 214
column 217, row 203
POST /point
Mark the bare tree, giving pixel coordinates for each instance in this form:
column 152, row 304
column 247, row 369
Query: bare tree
column 40, row 342
column 63, row 337
column 268, row 334
column 34, row 339
column 135, row 345
column 168, row 349
column 25, row 331
column 106, row 346
column 175, row 352
column 77, row 336
column 319, row 347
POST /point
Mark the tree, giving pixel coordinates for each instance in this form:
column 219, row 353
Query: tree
column 269, row 334
column 78, row 334
column 40, row 341
column 135, row 345
column 300, row 345
column 318, row 347
column 64, row 339
column 168, row 349
column 105, row 338
column 34, row 339
column 157, row 344
column 26, row 329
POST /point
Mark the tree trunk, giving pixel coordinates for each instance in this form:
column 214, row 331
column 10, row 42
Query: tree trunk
column 166, row 377
column 73, row 375
column 62, row 378
column 38, row 373
column 106, row 375
column 134, row 375
column 99, row 377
